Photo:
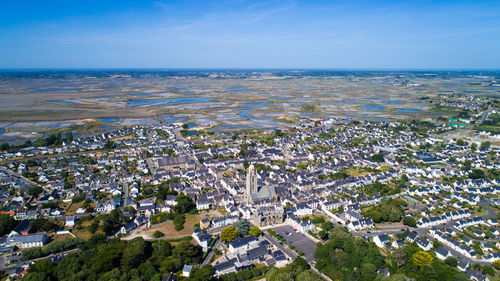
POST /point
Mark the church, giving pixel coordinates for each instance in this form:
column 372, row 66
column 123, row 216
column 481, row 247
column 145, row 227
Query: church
column 254, row 193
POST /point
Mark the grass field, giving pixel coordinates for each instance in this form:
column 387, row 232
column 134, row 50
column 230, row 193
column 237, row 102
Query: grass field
column 83, row 233
column 168, row 229
column 74, row 206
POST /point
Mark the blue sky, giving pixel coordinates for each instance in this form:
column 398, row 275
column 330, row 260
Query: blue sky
column 250, row 34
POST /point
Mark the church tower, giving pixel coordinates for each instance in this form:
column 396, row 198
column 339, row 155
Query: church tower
column 251, row 182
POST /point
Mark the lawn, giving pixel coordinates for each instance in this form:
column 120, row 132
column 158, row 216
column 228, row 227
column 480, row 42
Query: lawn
column 167, row 228
column 74, row 206
column 83, row 233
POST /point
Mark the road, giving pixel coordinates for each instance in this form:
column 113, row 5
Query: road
column 485, row 115
column 34, row 260
column 25, row 180
column 125, row 194
column 211, row 253
column 288, row 252
column 291, row 254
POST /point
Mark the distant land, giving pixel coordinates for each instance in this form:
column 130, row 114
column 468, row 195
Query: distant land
column 36, row 101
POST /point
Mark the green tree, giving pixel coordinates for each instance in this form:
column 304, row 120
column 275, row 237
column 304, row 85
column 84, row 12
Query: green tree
column 410, row 221
column 185, row 251
column 134, row 253
column 485, row 145
column 368, row 272
column 242, row 227
column 184, row 204
column 158, row 234
column 327, row 226
column 229, row 234
column 109, row 144
column 399, row 256
column 473, row 147
column 7, row 223
column 451, row 261
column 179, row 221
column 379, row 157
column 35, row 191
column 255, row 231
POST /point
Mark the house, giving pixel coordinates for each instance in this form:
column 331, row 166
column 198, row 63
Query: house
column 27, row 241
column 463, row 265
column 223, row 221
column 442, row 253
column 127, row 228
column 411, row 237
column 382, row 241
column 398, row 244
column 384, row 271
column 203, row 238
column 424, row 244
column 476, row 275
column 23, row 228
column 186, row 270
column 204, row 223
column 69, row 221
column 225, row 267
column 105, row 207
column 242, row 244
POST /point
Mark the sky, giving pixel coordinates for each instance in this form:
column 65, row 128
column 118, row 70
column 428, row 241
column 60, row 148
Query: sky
column 313, row 34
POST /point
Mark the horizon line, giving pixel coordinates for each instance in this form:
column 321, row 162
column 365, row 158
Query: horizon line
column 238, row 69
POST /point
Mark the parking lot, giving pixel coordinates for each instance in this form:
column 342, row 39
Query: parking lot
column 299, row 240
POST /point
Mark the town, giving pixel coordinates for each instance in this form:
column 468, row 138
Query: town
column 322, row 199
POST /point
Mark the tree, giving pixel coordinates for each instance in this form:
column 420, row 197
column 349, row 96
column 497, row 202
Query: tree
column 35, row 191
column 242, row 227
column 327, row 226
column 485, row 145
column 399, row 257
column 460, row 142
column 229, row 234
column 422, row 258
column 203, row 274
column 473, row 147
column 179, row 221
column 496, row 264
column 410, row 221
column 476, row 174
column 255, row 231
column 488, row 270
column 43, row 224
column 322, row 234
column 184, row 204
column 134, row 253
column 185, row 251
column 451, row 261
column 7, row 223
column 162, row 249
column 158, row 234
column 109, row 144
column 379, row 157
column 368, row 272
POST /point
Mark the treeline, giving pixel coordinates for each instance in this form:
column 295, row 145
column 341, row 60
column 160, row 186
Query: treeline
column 136, row 259
column 298, row 270
column 51, row 140
column 185, row 205
column 345, row 257
column 387, row 211
column 52, row 248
